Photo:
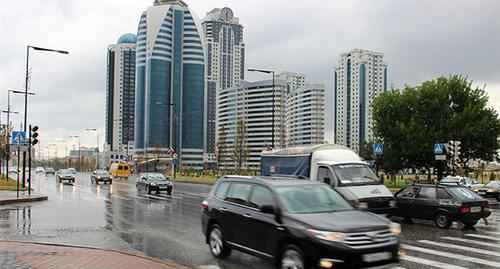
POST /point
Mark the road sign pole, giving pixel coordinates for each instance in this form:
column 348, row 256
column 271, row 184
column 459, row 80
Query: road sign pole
column 17, row 172
column 29, row 163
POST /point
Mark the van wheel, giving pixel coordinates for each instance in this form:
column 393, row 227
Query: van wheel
column 218, row 246
column 292, row 258
column 148, row 189
column 442, row 220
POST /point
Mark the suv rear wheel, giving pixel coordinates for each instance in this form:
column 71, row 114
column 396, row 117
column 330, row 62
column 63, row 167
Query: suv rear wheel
column 292, row 258
column 218, row 246
column 442, row 220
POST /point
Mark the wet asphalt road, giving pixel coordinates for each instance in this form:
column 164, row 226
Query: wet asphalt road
column 168, row 227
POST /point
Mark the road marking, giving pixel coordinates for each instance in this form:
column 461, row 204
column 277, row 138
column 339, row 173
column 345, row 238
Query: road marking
column 446, row 245
column 429, row 262
column 486, row 244
column 495, row 233
column 451, row 255
column 483, row 237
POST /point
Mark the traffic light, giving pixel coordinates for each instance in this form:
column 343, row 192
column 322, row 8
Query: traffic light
column 33, row 135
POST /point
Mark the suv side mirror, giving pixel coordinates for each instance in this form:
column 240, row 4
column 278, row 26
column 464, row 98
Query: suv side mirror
column 268, row 209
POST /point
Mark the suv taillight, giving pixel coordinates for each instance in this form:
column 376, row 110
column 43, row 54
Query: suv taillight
column 204, row 205
column 464, row 209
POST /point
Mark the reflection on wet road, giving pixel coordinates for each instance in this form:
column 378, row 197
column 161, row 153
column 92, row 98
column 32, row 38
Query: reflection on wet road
column 168, row 227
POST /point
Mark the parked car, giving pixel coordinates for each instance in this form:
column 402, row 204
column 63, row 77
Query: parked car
column 50, row 171
column 65, row 174
column 456, row 180
column 156, row 182
column 72, row 170
column 441, row 203
column 39, row 170
column 490, row 190
column 295, row 223
column 101, row 175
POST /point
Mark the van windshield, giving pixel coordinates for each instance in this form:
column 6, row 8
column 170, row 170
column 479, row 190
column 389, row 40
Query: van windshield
column 355, row 174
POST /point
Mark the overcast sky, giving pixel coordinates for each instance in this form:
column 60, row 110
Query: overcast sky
column 420, row 40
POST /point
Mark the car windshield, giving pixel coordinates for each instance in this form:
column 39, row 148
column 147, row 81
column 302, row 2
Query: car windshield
column 156, row 176
column 464, row 193
column 64, row 171
column 355, row 174
column 449, row 180
column 306, row 199
column 493, row 184
column 101, row 173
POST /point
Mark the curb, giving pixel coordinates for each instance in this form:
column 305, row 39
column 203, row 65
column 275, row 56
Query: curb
column 23, row 200
column 192, row 182
column 168, row 263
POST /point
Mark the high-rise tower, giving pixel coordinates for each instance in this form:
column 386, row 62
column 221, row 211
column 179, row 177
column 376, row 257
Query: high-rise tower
column 170, row 82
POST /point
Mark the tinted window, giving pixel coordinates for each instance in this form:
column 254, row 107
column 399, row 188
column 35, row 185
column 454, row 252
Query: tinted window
column 305, row 199
column 221, row 190
column 408, row 192
column 120, row 168
column 238, row 193
column 125, row 168
column 464, row 193
column 443, row 194
column 261, row 196
column 427, row 192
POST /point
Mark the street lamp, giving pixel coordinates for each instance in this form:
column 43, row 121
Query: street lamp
column 65, row 151
column 267, row 72
column 97, row 132
column 79, row 156
column 26, row 93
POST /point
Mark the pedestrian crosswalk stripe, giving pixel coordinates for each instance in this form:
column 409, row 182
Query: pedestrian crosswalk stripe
column 446, row 245
column 483, row 237
column 452, row 255
column 481, row 243
column 430, row 262
column 397, row 267
column 495, row 233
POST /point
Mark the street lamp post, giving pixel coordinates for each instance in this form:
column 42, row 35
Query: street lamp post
column 79, row 156
column 268, row 72
column 97, row 132
column 26, row 95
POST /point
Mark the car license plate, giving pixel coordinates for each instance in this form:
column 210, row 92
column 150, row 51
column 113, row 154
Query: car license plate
column 475, row 209
column 375, row 257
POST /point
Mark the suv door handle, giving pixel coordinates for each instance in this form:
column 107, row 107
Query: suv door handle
column 247, row 215
column 223, row 209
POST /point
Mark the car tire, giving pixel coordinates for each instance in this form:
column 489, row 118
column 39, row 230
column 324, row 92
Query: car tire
column 469, row 224
column 498, row 198
column 60, row 180
column 110, row 182
column 292, row 257
column 216, row 242
column 148, row 189
column 442, row 220
column 169, row 191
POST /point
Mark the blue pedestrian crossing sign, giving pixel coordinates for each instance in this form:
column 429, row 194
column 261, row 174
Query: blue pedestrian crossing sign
column 18, row 138
column 378, row 149
column 438, row 149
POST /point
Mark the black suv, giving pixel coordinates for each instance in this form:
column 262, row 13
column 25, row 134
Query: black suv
column 296, row 224
column 441, row 203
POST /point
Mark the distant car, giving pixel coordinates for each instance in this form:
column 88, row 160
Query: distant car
column 72, row 170
column 154, row 182
column 65, row 174
column 296, row 224
column 13, row 170
column 101, row 176
column 50, row 171
column 39, row 170
column 441, row 203
column 456, row 180
column 490, row 190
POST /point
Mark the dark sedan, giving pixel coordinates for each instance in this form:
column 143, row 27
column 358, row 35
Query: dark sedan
column 441, row 203
column 101, row 176
column 156, row 182
column 490, row 190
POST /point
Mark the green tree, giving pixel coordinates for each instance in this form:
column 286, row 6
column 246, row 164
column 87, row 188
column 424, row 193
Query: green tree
column 366, row 150
column 411, row 121
column 221, row 148
column 241, row 150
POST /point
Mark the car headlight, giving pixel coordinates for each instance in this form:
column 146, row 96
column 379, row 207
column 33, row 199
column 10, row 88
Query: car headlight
column 490, row 190
column 476, row 190
column 328, row 236
column 98, row 177
column 153, row 184
column 363, row 205
column 395, row 228
column 392, row 203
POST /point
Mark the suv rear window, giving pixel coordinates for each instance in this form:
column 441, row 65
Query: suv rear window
column 464, row 193
column 238, row 193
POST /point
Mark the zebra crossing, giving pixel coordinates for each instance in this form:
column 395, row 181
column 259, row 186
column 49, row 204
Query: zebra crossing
column 479, row 248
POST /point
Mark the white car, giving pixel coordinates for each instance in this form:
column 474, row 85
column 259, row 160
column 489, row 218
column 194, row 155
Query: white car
column 457, row 180
column 39, row 170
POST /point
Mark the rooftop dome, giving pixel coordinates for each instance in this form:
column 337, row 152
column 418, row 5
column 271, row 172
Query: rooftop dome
column 127, row 38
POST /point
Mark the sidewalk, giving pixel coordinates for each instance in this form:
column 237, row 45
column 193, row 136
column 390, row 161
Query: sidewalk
column 10, row 197
column 42, row 255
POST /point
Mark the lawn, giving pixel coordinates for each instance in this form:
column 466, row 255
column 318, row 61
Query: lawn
column 9, row 185
column 204, row 179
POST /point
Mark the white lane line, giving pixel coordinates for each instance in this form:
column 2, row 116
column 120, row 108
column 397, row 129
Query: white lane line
column 483, row 237
column 495, row 233
column 397, row 267
column 429, row 262
column 481, row 243
column 446, row 245
column 452, row 255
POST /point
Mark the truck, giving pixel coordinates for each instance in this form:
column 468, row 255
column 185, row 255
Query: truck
column 337, row 166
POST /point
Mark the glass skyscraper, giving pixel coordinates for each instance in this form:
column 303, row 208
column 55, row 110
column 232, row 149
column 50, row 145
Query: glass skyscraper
column 170, row 83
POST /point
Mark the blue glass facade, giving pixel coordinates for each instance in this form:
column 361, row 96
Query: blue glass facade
column 157, row 109
column 362, row 100
column 139, row 107
column 193, row 106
